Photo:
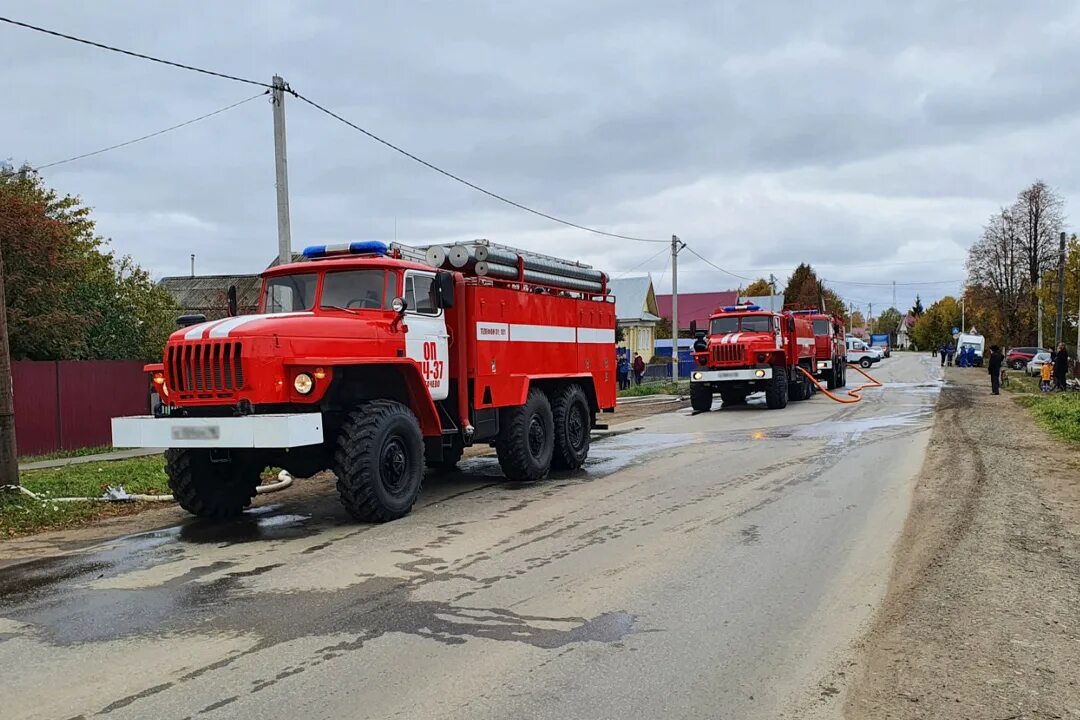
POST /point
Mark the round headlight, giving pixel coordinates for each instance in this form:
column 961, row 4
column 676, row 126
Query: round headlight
column 303, row 383
column 698, row 376
column 760, row 373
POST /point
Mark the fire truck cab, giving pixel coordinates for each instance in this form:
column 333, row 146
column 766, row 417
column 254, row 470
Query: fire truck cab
column 372, row 364
column 830, row 351
column 747, row 349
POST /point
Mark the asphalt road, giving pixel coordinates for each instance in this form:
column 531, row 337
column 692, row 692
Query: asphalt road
column 717, row 565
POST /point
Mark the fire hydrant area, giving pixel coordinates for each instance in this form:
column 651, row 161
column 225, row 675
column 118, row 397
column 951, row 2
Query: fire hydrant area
column 843, row 505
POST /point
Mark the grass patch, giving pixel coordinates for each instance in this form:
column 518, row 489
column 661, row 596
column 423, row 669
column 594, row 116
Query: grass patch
column 21, row 514
column 660, row 388
column 62, row 454
column 1057, row 412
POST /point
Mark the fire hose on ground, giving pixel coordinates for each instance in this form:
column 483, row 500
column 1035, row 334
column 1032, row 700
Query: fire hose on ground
column 854, row 393
column 118, row 494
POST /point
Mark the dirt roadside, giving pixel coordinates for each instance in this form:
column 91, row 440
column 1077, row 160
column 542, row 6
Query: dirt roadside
column 982, row 616
column 145, row 517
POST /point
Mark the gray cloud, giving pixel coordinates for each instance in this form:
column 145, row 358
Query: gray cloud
column 872, row 140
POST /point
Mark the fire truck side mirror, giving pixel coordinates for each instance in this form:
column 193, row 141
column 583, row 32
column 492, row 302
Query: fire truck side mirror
column 444, row 289
column 231, row 301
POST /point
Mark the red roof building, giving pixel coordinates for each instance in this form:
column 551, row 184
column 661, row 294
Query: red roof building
column 696, row 306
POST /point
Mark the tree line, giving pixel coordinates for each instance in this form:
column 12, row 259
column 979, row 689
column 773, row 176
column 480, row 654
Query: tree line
column 1010, row 268
column 68, row 296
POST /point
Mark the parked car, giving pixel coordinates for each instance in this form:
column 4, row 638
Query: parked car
column 1018, row 358
column 861, row 353
column 1034, row 365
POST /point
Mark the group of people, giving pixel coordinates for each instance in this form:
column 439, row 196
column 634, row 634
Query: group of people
column 947, row 352
column 625, row 368
column 1051, row 375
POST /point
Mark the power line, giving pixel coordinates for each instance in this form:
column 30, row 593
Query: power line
column 714, row 265
column 130, row 53
column 465, row 182
column 151, row 135
column 889, row 284
column 643, row 262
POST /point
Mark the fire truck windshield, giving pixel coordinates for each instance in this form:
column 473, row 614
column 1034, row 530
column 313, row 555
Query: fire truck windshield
column 747, row 323
column 363, row 289
column 290, row 293
column 821, row 327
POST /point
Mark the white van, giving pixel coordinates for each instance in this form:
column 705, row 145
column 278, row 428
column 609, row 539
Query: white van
column 861, row 353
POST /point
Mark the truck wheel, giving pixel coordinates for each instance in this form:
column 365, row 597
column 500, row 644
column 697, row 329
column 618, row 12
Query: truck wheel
column 865, row 363
column 379, row 461
column 843, row 373
column 797, row 388
column 776, row 392
column 527, row 440
column 832, row 378
column 731, row 398
column 573, row 428
column 700, row 398
column 450, row 458
column 207, row 488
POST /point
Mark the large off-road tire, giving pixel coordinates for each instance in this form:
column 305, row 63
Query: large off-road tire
column 211, row 489
column 450, row 458
column 842, row 364
column 832, row 378
column 573, row 428
column 797, row 388
column 527, row 439
column 731, row 398
column 700, row 397
column 379, row 461
column 776, row 392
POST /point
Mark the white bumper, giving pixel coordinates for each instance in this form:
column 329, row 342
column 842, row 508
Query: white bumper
column 824, row 364
column 251, row 431
column 722, row 375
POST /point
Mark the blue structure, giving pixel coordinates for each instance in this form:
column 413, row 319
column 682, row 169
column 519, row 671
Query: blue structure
column 686, row 363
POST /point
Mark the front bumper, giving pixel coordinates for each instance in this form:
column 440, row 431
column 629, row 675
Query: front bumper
column 284, row 430
column 824, row 364
column 728, row 375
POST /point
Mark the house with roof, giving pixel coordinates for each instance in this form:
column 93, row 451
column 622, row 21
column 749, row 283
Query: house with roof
column 636, row 313
column 903, row 332
column 696, row 306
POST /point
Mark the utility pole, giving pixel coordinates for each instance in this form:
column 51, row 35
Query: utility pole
column 869, row 316
column 772, row 292
column 1061, row 291
column 1038, row 289
column 963, row 314
column 281, row 172
column 894, row 295
column 676, row 245
column 9, row 461
column 192, row 264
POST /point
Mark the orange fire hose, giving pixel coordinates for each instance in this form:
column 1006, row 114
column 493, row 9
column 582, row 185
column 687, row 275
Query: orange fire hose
column 853, row 393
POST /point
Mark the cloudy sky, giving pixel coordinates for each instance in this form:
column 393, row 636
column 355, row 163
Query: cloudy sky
column 870, row 139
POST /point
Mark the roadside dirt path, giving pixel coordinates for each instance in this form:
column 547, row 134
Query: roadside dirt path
column 982, row 618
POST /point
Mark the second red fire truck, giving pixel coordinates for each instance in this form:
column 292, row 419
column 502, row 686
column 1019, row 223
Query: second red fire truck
column 748, row 349
column 374, row 360
column 830, row 364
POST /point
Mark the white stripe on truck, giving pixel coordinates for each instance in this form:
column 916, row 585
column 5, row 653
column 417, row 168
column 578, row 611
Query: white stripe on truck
column 506, row 332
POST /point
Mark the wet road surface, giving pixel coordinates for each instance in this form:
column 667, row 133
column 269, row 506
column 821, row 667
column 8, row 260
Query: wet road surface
column 716, row 565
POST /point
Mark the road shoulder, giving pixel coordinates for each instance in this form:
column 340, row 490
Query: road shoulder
column 982, row 616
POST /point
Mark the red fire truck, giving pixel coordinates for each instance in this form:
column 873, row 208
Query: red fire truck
column 370, row 361
column 747, row 349
column 830, row 350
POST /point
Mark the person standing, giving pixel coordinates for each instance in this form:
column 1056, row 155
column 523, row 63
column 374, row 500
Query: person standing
column 622, row 371
column 639, row 369
column 1046, row 375
column 1061, row 366
column 944, row 353
column 996, row 358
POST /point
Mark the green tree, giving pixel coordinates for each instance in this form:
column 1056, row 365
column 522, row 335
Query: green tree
column 67, row 297
column 857, row 320
column 887, row 322
column 757, row 288
column 917, row 309
column 934, row 327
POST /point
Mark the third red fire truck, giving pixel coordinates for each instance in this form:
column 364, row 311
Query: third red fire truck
column 370, row 360
column 830, row 364
column 748, row 349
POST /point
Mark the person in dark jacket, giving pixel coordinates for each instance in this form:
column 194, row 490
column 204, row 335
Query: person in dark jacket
column 1061, row 366
column 944, row 354
column 996, row 358
column 639, row 369
column 622, row 371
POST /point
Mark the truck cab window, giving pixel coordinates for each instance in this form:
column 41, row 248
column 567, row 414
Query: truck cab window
column 721, row 326
column 290, row 293
column 756, row 323
column 354, row 289
column 420, row 293
column 821, row 327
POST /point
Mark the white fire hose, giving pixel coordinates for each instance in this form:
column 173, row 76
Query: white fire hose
column 118, row 494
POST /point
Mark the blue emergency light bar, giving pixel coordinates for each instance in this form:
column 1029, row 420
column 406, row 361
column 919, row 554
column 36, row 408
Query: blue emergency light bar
column 359, row 247
column 739, row 308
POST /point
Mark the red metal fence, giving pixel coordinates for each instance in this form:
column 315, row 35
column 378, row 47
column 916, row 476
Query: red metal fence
column 68, row 404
